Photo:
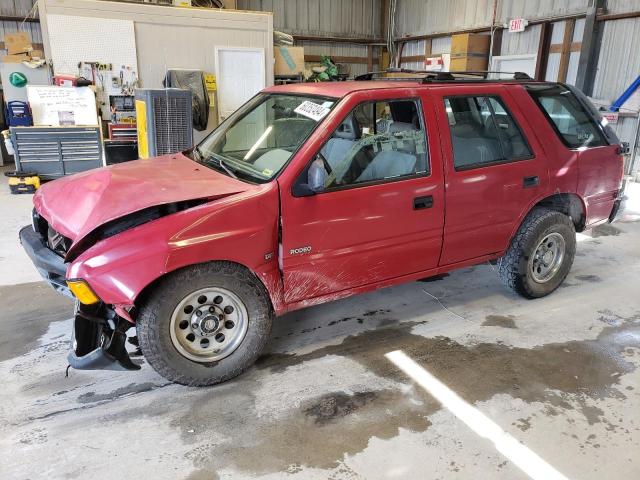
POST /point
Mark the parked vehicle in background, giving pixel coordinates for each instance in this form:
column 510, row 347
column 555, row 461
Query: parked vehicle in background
column 314, row 192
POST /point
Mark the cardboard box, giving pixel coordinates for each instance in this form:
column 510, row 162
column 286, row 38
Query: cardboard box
column 289, row 60
column 470, row 43
column 463, row 63
column 15, row 58
column 18, row 42
column 398, row 75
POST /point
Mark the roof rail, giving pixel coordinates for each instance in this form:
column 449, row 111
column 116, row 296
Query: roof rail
column 430, row 76
column 381, row 73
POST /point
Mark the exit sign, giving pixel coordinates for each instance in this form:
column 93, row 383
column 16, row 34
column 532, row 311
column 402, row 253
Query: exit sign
column 517, row 25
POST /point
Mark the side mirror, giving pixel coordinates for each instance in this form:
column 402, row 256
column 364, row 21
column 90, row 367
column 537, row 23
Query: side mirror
column 302, row 190
column 316, row 176
column 623, row 148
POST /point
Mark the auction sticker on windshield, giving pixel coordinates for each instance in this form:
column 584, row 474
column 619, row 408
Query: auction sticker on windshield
column 312, row 110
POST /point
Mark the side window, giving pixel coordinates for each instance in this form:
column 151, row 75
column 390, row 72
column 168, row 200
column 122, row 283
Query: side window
column 483, row 132
column 376, row 141
column 568, row 116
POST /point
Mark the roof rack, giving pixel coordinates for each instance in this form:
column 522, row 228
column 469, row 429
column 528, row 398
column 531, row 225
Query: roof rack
column 429, row 76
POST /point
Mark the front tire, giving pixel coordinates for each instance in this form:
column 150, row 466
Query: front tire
column 540, row 255
column 204, row 324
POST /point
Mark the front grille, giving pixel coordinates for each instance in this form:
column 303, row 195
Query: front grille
column 57, row 242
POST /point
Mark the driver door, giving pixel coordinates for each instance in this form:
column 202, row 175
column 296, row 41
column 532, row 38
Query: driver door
column 381, row 214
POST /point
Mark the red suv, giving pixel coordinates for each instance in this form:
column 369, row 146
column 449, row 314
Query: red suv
column 313, row 192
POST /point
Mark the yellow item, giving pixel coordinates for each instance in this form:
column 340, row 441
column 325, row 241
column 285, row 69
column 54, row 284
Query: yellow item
column 82, row 291
column 210, row 82
column 141, row 118
column 27, row 183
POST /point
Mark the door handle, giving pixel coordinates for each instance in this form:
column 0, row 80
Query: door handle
column 532, row 181
column 420, row 203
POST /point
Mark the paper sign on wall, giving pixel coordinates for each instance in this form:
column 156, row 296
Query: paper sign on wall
column 59, row 106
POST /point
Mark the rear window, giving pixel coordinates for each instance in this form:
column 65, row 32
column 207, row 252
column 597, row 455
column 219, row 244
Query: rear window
column 568, row 116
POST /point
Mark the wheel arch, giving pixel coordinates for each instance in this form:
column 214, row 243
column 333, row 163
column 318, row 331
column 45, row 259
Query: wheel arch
column 271, row 290
column 570, row 204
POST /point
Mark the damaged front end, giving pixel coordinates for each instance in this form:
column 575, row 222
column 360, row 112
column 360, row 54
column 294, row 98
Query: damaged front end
column 99, row 331
column 99, row 339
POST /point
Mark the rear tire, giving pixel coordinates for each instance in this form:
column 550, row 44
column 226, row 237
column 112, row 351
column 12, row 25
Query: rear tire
column 540, row 255
column 182, row 324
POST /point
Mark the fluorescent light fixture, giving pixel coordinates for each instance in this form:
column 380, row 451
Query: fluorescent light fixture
column 521, row 456
column 264, row 135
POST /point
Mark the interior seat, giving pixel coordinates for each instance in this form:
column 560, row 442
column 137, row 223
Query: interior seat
column 343, row 139
column 473, row 144
column 392, row 163
column 272, row 160
column 388, row 164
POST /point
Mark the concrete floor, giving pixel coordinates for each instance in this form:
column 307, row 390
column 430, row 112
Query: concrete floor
column 559, row 374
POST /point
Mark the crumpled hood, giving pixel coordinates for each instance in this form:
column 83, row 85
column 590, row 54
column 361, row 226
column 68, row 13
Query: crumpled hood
column 76, row 205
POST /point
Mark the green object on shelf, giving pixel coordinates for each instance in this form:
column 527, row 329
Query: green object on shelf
column 17, row 79
column 330, row 71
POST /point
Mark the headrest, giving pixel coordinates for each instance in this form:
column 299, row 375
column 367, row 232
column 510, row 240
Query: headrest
column 348, row 129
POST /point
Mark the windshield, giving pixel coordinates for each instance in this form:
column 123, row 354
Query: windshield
column 258, row 139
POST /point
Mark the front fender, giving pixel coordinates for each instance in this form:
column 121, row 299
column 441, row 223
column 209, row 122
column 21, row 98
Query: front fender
column 241, row 229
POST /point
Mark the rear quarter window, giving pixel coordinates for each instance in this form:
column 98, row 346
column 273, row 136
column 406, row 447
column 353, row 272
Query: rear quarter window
column 569, row 118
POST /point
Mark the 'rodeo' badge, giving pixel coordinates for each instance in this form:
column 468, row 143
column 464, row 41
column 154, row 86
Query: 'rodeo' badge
column 300, row 251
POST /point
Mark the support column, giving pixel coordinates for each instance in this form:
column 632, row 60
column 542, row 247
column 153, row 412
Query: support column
column 590, row 49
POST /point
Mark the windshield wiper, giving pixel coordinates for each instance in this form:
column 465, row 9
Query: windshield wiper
column 199, row 157
column 222, row 165
column 198, row 153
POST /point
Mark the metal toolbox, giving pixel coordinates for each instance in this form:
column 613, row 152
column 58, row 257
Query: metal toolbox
column 53, row 152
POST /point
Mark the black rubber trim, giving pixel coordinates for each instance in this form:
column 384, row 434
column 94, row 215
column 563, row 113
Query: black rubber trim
column 41, row 256
column 50, row 265
column 618, row 206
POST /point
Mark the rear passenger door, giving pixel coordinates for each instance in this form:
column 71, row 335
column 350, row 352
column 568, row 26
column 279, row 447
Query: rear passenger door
column 493, row 169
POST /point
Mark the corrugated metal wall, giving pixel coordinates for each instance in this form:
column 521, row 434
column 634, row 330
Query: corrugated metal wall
column 18, row 8
column 421, row 17
column 619, row 62
column 618, row 67
column 623, row 6
column 536, row 9
column 416, row 17
column 325, row 18
column 521, row 43
column 344, row 18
